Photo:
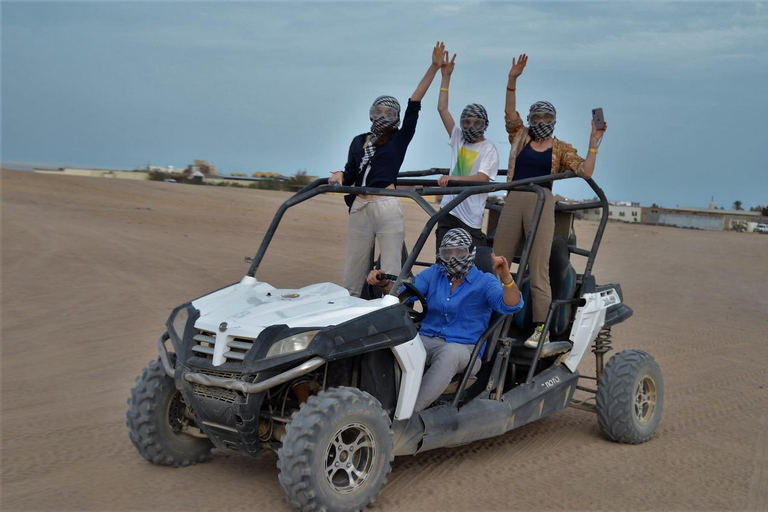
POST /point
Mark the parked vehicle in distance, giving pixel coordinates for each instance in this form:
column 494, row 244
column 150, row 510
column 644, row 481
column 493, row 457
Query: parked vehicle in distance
column 761, row 228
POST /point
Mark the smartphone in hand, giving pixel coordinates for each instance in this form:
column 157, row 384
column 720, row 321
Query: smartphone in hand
column 597, row 118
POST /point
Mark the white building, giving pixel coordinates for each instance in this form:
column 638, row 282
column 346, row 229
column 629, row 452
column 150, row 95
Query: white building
column 623, row 211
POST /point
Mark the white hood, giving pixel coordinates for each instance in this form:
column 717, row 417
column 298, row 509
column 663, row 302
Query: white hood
column 249, row 307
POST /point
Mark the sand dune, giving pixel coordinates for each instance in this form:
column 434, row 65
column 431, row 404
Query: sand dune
column 91, row 269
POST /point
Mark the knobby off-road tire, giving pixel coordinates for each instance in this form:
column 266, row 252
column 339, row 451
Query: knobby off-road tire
column 154, row 413
column 630, row 397
column 337, row 452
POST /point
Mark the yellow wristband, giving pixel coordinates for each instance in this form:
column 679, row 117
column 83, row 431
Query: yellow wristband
column 444, row 89
column 509, row 284
column 593, row 150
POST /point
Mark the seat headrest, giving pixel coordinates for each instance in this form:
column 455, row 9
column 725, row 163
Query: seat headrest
column 483, row 259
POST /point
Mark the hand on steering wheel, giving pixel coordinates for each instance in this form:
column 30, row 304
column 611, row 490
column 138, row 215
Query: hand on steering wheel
column 409, row 292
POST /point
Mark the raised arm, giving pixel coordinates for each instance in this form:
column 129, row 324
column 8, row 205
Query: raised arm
column 442, row 103
column 437, row 61
column 510, row 108
column 511, row 292
column 594, row 141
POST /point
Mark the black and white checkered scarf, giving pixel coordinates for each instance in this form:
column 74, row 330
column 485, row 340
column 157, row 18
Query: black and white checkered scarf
column 541, row 131
column 476, row 111
column 457, row 268
column 379, row 126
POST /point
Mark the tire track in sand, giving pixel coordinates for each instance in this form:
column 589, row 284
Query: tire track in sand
column 757, row 498
column 542, row 438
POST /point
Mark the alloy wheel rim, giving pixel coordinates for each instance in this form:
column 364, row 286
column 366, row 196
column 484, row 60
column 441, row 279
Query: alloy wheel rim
column 645, row 400
column 349, row 457
column 176, row 414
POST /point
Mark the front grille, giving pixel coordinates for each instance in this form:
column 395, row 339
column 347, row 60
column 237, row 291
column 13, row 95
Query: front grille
column 220, row 394
column 206, row 340
column 219, row 373
column 238, row 347
column 214, row 393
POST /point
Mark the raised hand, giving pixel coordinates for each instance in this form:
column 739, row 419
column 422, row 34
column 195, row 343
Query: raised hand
column 439, row 54
column 518, row 66
column 596, row 135
column 500, row 265
column 447, row 68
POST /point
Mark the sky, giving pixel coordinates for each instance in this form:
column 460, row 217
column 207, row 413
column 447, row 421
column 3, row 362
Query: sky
column 283, row 87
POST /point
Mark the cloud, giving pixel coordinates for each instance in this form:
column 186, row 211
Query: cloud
column 695, row 36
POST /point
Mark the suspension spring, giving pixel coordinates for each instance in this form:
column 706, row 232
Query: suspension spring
column 603, row 344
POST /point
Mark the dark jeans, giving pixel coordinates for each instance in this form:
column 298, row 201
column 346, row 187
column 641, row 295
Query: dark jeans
column 449, row 222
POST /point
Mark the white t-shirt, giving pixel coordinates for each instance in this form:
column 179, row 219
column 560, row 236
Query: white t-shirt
column 468, row 160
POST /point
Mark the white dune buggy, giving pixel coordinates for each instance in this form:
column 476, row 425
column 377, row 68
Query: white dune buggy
column 329, row 381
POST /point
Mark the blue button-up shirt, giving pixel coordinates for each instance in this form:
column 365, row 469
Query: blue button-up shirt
column 461, row 316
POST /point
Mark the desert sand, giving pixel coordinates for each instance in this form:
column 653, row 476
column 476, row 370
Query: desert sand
column 91, row 268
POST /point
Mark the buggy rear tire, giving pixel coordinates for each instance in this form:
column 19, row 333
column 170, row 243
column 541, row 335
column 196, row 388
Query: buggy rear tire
column 155, row 411
column 630, row 397
column 337, row 452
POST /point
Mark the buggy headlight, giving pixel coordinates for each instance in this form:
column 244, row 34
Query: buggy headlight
column 179, row 323
column 293, row 343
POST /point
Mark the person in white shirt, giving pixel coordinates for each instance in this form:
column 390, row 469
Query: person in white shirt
column 473, row 158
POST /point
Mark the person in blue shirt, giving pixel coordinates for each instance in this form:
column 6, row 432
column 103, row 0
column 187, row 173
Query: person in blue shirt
column 460, row 299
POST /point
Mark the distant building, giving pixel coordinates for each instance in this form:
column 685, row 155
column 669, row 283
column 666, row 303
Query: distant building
column 96, row 173
column 617, row 210
column 192, row 171
column 236, row 179
column 158, row 168
column 699, row 218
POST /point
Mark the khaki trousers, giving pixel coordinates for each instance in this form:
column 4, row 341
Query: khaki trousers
column 381, row 219
column 512, row 229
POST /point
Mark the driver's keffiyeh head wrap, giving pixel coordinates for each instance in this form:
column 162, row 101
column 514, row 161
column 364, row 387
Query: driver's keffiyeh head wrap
column 381, row 124
column 542, row 130
column 474, row 111
column 456, row 268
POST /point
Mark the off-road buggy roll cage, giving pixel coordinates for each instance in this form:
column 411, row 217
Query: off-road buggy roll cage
column 411, row 184
column 329, row 381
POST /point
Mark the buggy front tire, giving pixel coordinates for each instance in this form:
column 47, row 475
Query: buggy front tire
column 337, row 452
column 156, row 413
column 630, row 397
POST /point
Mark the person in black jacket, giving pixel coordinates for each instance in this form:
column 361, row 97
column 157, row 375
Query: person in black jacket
column 374, row 160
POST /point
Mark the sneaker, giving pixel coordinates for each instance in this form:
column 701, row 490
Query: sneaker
column 533, row 341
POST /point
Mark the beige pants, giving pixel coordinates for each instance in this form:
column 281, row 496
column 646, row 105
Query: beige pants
column 380, row 218
column 513, row 225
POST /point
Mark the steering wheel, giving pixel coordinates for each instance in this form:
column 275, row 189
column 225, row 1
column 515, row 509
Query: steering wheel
column 409, row 292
